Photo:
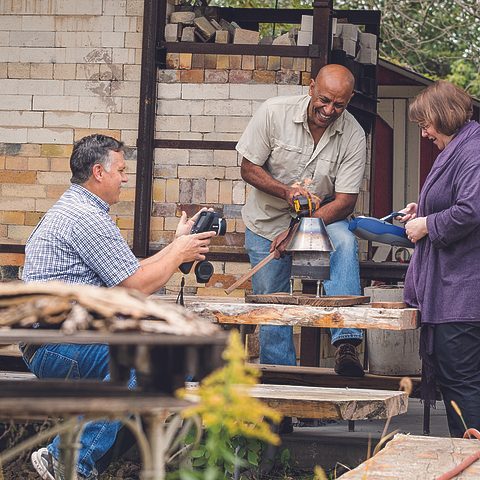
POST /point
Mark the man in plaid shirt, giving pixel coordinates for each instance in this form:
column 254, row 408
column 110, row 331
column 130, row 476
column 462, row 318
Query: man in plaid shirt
column 77, row 242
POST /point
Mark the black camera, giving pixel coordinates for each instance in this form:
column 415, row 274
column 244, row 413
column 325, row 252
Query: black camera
column 206, row 222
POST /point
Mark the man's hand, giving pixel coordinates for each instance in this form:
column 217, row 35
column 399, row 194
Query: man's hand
column 185, row 224
column 296, row 191
column 416, row 229
column 190, row 248
column 410, row 213
column 281, row 241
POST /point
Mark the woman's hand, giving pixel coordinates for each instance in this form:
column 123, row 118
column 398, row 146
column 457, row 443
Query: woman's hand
column 416, row 229
column 410, row 213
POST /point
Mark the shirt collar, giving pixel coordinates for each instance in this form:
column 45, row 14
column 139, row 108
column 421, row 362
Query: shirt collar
column 301, row 116
column 90, row 197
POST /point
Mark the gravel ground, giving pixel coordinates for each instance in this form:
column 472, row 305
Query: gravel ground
column 21, row 469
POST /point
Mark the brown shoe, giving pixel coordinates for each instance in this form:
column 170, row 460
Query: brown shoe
column 347, row 362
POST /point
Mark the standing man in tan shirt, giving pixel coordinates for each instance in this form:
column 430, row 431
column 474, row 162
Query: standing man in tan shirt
column 312, row 141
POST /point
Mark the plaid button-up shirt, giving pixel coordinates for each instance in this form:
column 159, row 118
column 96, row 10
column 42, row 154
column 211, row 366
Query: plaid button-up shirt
column 78, row 242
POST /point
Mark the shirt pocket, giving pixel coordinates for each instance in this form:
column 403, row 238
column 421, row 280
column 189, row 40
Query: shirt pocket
column 326, row 166
column 286, row 162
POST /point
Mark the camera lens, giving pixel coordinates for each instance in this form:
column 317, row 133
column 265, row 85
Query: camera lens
column 220, row 226
column 203, row 271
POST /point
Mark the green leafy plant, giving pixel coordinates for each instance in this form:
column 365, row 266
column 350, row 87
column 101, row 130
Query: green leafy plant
column 235, row 424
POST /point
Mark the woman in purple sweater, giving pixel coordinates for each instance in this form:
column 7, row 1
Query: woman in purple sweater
column 443, row 278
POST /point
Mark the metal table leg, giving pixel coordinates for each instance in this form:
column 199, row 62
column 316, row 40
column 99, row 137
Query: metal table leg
column 426, row 418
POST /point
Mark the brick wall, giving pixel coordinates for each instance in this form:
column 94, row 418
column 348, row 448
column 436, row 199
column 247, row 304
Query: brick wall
column 67, row 69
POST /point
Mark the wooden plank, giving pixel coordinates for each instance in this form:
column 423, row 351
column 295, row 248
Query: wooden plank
column 10, row 351
column 40, row 336
column 76, row 397
column 306, row 316
column 326, row 377
column 388, row 304
column 305, row 299
column 9, row 376
column 105, row 406
column 418, row 458
column 332, row 403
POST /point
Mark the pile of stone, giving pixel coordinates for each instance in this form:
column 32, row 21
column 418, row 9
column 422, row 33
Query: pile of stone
column 196, row 26
column 355, row 43
column 193, row 26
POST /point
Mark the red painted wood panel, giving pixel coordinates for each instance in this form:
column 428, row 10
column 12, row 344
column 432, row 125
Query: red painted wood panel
column 383, row 174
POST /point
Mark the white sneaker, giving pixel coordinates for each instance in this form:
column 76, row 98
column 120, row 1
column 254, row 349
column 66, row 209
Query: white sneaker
column 47, row 466
column 42, row 461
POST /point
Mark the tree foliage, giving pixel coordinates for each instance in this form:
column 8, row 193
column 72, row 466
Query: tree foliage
column 439, row 39
column 436, row 38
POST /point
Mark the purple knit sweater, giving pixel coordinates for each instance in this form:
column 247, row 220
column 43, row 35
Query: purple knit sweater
column 443, row 278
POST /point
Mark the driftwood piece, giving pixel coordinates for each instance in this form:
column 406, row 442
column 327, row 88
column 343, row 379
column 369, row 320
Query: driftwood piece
column 332, row 403
column 305, row 299
column 85, row 306
column 415, row 457
column 305, row 316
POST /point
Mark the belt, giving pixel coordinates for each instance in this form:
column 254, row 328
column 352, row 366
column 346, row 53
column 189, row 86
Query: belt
column 29, row 351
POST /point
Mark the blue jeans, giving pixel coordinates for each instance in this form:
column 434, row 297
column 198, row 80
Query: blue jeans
column 70, row 361
column 276, row 343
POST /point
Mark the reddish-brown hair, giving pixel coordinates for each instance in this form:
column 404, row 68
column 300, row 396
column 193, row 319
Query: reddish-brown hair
column 442, row 105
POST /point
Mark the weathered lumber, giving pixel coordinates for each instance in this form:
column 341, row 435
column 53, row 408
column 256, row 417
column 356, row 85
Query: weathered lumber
column 418, row 458
column 10, row 351
column 388, row 304
column 332, row 403
column 9, row 376
column 41, row 336
column 305, row 299
column 59, row 397
column 326, row 377
column 81, row 307
column 305, row 316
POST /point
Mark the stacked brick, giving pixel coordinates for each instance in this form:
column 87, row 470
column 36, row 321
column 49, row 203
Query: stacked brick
column 256, row 69
column 67, row 69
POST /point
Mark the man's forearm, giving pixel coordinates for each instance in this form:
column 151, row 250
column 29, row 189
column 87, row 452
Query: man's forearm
column 158, row 256
column 263, row 181
column 338, row 209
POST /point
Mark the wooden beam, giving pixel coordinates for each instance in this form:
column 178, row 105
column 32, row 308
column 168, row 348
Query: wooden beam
column 332, row 403
column 326, row 377
column 418, row 457
column 306, row 316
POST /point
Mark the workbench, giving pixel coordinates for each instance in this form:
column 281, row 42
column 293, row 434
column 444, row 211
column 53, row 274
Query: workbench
column 237, row 312
column 161, row 360
column 234, row 311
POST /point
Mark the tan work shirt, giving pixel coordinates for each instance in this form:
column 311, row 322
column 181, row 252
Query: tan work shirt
column 278, row 138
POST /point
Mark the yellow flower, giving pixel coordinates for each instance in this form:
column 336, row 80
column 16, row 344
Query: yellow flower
column 224, row 401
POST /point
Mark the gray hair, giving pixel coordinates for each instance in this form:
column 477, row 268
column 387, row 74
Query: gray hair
column 91, row 150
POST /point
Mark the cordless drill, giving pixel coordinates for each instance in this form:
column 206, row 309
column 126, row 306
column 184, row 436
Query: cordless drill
column 303, row 206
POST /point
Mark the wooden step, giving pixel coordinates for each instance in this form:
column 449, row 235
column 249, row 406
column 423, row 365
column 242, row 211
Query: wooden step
column 332, row 403
column 6, row 376
column 326, row 377
column 10, row 350
column 11, row 358
column 415, row 457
